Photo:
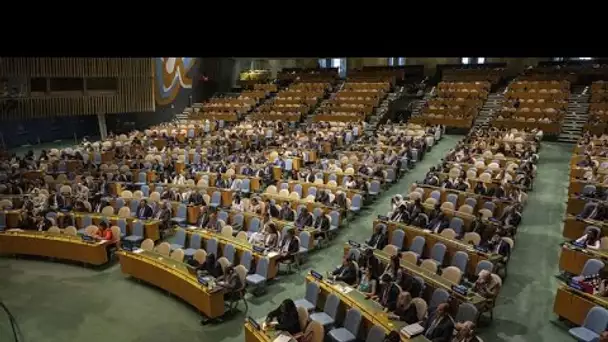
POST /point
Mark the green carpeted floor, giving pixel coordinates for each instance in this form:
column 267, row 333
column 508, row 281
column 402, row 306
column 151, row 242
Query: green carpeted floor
column 58, row 302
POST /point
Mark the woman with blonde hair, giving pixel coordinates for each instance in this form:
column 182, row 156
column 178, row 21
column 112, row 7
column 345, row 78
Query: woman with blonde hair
column 405, row 310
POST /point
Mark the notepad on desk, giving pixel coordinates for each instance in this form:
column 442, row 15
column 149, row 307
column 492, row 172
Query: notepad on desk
column 272, row 254
column 412, row 330
column 284, row 338
column 138, row 250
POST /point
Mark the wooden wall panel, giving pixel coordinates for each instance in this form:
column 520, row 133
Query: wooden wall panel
column 134, row 94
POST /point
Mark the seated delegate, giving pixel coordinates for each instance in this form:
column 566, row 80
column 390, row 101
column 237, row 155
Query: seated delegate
column 347, row 272
column 591, row 239
column 439, row 326
column 405, row 310
column 286, row 316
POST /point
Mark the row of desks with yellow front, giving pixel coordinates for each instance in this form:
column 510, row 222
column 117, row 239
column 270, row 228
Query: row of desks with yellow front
column 280, row 224
column 254, row 182
column 312, row 155
column 577, row 185
column 573, row 305
column 463, row 195
column 240, row 247
column 575, row 228
column 431, row 239
column 340, row 176
column 59, row 246
column 547, row 128
column 576, row 204
column 267, row 116
column 226, row 194
column 338, row 118
column 579, row 172
column 295, row 203
column 572, row 258
column 151, row 227
column 172, row 276
column 227, row 116
column 431, row 280
column 445, row 121
column 305, row 186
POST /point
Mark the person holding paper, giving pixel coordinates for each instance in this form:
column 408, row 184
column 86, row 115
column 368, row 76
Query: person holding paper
column 287, row 317
column 104, row 232
column 466, row 332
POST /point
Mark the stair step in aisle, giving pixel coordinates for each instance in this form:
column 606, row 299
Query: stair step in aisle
column 490, row 107
column 576, row 115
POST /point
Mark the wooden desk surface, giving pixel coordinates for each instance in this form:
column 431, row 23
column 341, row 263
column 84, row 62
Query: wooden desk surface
column 574, row 305
column 573, row 258
column 54, row 246
column 574, row 228
column 172, row 276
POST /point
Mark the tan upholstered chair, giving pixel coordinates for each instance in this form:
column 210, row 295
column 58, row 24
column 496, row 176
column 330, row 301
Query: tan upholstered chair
column 147, row 245
column 178, row 255
column 163, row 249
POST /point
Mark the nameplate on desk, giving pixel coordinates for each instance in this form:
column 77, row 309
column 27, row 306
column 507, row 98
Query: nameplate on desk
column 480, row 249
column 383, row 218
column 258, row 249
column 316, row 275
column 575, row 285
column 87, row 239
column 254, row 323
column 579, row 244
column 354, row 243
column 460, row 289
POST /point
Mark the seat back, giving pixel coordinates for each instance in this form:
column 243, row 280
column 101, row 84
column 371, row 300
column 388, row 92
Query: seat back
column 331, row 306
column 304, row 239
column 107, row 210
column 456, row 223
column 70, row 230
column 195, row 241
column 592, row 266
column 211, row 247
column 484, row 265
column 200, row 256
column 180, row 237
column 224, row 263
column 375, row 334
column 397, row 239
column 147, row 245
column 421, row 308
column 352, row 321
column 216, row 198
column 410, row 257
column 453, row 274
column 466, row 312
column 228, row 252
column 429, row 265
column 262, row 268
column 438, row 252
column 448, row 233
column 472, row 237
column 54, row 230
column 418, row 245
column 460, row 260
column 242, row 236
column 596, row 319
column 390, row 250
column 246, row 260
column 178, row 255
column 163, row 249
column 254, row 225
column 439, row 296
column 312, row 293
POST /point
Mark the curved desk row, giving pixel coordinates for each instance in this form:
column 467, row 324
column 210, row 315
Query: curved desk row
column 59, row 246
column 172, row 276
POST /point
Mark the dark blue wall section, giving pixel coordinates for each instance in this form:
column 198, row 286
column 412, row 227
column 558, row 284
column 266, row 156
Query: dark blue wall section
column 17, row 133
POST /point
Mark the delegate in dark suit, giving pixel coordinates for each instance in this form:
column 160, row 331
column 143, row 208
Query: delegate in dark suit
column 347, row 272
column 439, row 326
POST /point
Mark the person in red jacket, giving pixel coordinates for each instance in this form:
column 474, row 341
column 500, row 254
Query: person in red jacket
column 104, row 232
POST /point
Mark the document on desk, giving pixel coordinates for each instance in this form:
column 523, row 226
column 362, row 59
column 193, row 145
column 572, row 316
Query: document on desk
column 346, row 289
column 137, row 251
column 284, row 338
column 191, row 227
column 272, row 254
